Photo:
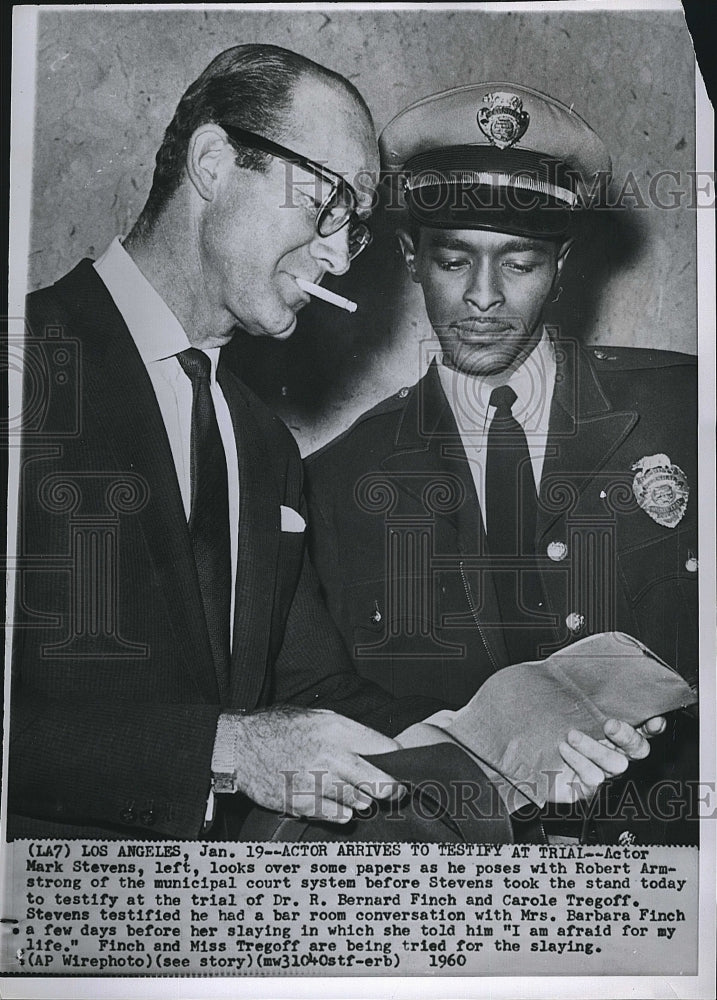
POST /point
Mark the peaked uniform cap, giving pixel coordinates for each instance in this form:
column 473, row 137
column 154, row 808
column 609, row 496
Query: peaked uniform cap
column 494, row 155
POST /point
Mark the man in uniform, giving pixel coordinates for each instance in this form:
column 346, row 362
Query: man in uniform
column 527, row 492
column 171, row 641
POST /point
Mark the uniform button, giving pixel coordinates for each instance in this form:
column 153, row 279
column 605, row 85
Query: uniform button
column 147, row 817
column 557, row 551
column 626, row 839
column 575, row 621
column 128, row 815
column 402, row 393
column 600, row 355
column 692, row 565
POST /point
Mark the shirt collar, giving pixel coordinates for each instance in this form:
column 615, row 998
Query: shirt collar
column 533, row 381
column 155, row 329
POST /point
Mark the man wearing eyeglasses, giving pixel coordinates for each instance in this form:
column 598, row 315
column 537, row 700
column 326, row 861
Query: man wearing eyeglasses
column 171, row 635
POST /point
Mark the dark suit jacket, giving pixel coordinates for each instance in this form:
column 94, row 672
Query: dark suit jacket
column 397, row 539
column 115, row 699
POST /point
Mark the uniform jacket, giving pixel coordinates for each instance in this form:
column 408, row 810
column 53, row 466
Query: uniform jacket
column 397, row 538
column 115, row 698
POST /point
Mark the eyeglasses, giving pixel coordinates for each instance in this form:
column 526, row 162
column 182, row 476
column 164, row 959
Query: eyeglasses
column 338, row 208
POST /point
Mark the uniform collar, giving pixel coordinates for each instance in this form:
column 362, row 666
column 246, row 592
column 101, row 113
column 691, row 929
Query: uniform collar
column 533, row 383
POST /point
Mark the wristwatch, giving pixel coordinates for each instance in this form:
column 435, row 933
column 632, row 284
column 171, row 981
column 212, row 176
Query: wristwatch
column 224, row 756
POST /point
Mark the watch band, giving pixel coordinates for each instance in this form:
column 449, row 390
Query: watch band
column 224, row 756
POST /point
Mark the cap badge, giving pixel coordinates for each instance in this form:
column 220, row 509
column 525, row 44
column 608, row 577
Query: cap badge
column 502, row 120
column 661, row 489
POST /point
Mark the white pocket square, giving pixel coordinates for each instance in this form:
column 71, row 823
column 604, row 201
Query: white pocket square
column 291, row 520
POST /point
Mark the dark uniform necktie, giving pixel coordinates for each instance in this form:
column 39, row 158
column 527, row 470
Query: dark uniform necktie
column 209, row 512
column 511, row 512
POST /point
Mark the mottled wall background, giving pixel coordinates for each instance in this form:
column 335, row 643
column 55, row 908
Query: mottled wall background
column 108, row 83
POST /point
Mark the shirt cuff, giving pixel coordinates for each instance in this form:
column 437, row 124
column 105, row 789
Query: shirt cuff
column 429, row 731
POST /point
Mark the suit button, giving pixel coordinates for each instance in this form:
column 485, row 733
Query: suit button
column 402, row 393
column 626, row 839
column 147, row 817
column 128, row 815
column 557, row 551
column 575, row 621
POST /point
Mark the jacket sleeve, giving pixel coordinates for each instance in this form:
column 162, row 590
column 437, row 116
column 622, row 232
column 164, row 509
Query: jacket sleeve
column 105, row 764
column 314, row 669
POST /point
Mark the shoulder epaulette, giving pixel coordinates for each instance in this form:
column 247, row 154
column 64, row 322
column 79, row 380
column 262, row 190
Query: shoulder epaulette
column 636, row 358
column 396, row 401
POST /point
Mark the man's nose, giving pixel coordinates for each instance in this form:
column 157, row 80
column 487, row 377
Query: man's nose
column 332, row 251
column 484, row 288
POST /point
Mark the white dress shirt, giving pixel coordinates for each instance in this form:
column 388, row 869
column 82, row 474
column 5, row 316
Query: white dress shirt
column 159, row 337
column 533, row 383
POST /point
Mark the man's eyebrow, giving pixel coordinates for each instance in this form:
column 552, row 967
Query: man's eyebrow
column 517, row 245
column 451, row 243
column 524, row 245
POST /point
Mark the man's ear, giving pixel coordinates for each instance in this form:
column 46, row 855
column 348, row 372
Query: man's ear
column 206, row 153
column 408, row 250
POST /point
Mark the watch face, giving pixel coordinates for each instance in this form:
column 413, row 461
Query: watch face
column 224, row 783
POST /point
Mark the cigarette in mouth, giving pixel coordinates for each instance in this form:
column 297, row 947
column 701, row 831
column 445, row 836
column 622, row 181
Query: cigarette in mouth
column 326, row 295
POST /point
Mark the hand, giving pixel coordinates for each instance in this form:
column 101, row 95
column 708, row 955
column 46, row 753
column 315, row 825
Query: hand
column 590, row 762
column 306, row 762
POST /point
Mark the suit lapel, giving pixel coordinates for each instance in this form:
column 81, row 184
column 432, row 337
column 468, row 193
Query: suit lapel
column 428, row 447
column 584, row 432
column 259, row 533
column 119, row 391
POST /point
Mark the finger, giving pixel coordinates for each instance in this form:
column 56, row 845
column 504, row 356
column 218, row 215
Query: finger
column 371, row 780
column 331, row 812
column 315, row 792
column 360, row 739
column 588, row 775
column 606, row 758
column 352, row 796
column 328, row 786
column 627, row 739
column 654, row 726
column 355, row 783
column 308, row 805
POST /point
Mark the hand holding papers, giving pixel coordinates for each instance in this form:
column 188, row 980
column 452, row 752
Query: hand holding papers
column 516, row 722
